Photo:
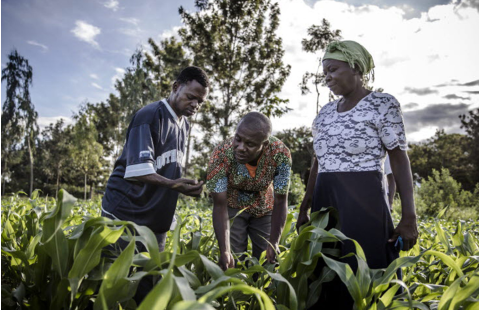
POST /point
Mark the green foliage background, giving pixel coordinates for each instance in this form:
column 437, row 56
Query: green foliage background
column 56, row 255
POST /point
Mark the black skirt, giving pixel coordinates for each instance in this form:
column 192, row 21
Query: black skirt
column 364, row 215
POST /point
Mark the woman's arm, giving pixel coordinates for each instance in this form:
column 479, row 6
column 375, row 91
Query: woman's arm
column 279, row 216
column 303, row 216
column 407, row 227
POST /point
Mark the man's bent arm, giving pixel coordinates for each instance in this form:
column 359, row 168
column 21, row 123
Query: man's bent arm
column 155, row 179
column 221, row 224
column 279, row 216
column 184, row 186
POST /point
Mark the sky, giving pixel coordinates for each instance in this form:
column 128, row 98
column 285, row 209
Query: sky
column 426, row 52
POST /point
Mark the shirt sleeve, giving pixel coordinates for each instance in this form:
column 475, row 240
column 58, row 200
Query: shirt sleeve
column 281, row 181
column 140, row 152
column 217, row 179
column 391, row 126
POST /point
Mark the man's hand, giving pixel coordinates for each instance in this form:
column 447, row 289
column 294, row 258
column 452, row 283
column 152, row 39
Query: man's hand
column 407, row 229
column 188, row 187
column 226, row 261
column 272, row 253
column 303, row 218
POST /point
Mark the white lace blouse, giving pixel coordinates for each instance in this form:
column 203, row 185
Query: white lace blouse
column 356, row 140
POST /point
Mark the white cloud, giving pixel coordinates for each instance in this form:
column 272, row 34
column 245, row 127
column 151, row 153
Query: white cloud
column 133, row 32
column 86, row 32
column 94, row 76
column 415, row 53
column 97, row 86
column 119, row 72
column 112, row 5
column 131, row 20
column 44, row 47
column 169, row 33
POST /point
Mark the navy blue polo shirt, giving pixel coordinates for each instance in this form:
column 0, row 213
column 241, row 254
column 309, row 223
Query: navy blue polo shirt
column 155, row 143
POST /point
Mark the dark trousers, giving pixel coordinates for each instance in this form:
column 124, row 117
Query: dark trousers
column 246, row 225
column 148, row 282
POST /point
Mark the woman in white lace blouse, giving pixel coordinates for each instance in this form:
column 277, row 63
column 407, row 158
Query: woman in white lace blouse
column 352, row 136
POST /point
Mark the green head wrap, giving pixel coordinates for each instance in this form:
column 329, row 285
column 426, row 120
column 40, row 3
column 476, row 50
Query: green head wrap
column 352, row 53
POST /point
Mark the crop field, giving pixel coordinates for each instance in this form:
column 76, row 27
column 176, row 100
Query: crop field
column 56, row 255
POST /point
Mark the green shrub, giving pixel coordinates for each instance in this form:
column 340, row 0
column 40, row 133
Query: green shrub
column 440, row 191
column 296, row 190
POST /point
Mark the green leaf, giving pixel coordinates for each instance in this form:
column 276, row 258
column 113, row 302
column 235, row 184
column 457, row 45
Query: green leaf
column 464, row 292
column 382, row 283
column 345, row 273
column 108, row 294
column 191, row 305
column 387, row 297
column 160, row 295
column 53, row 237
column 262, row 298
column 447, row 260
column 89, row 256
column 293, row 303
column 443, row 238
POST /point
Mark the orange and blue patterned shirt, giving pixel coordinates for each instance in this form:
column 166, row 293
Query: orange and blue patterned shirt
column 255, row 194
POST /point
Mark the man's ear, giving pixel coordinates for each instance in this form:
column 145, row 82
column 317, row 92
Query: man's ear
column 265, row 144
column 175, row 86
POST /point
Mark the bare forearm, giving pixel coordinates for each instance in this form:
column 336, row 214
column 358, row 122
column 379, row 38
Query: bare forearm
column 391, row 188
column 279, row 216
column 404, row 181
column 221, row 225
column 312, row 178
column 155, row 179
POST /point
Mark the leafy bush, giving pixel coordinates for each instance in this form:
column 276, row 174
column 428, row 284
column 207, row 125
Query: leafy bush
column 442, row 191
column 56, row 255
column 296, row 190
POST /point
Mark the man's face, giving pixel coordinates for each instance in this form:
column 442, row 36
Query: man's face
column 186, row 99
column 248, row 145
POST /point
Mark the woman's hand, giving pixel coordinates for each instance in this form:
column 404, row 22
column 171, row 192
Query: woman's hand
column 407, row 229
column 302, row 219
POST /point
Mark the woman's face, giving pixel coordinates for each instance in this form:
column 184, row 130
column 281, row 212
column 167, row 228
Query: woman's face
column 340, row 77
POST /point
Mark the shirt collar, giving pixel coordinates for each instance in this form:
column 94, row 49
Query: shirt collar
column 178, row 120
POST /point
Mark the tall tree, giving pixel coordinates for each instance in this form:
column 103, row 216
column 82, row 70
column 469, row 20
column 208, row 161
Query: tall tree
column 86, row 151
column 19, row 118
column 110, row 125
column 470, row 124
column 236, row 43
column 165, row 61
column 300, row 142
column 318, row 39
column 55, row 150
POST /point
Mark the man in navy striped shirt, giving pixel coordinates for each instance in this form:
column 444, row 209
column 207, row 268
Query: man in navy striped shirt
column 147, row 177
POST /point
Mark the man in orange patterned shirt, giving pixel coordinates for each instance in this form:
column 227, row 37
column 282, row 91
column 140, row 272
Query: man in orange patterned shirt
column 248, row 178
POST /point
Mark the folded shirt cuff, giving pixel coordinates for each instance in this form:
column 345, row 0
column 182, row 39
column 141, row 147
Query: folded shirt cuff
column 139, row 170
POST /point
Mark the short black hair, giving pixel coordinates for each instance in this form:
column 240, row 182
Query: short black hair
column 257, row 122
column 193, row 73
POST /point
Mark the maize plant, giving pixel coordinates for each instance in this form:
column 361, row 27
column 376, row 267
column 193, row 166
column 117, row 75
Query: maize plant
column 61, row 255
